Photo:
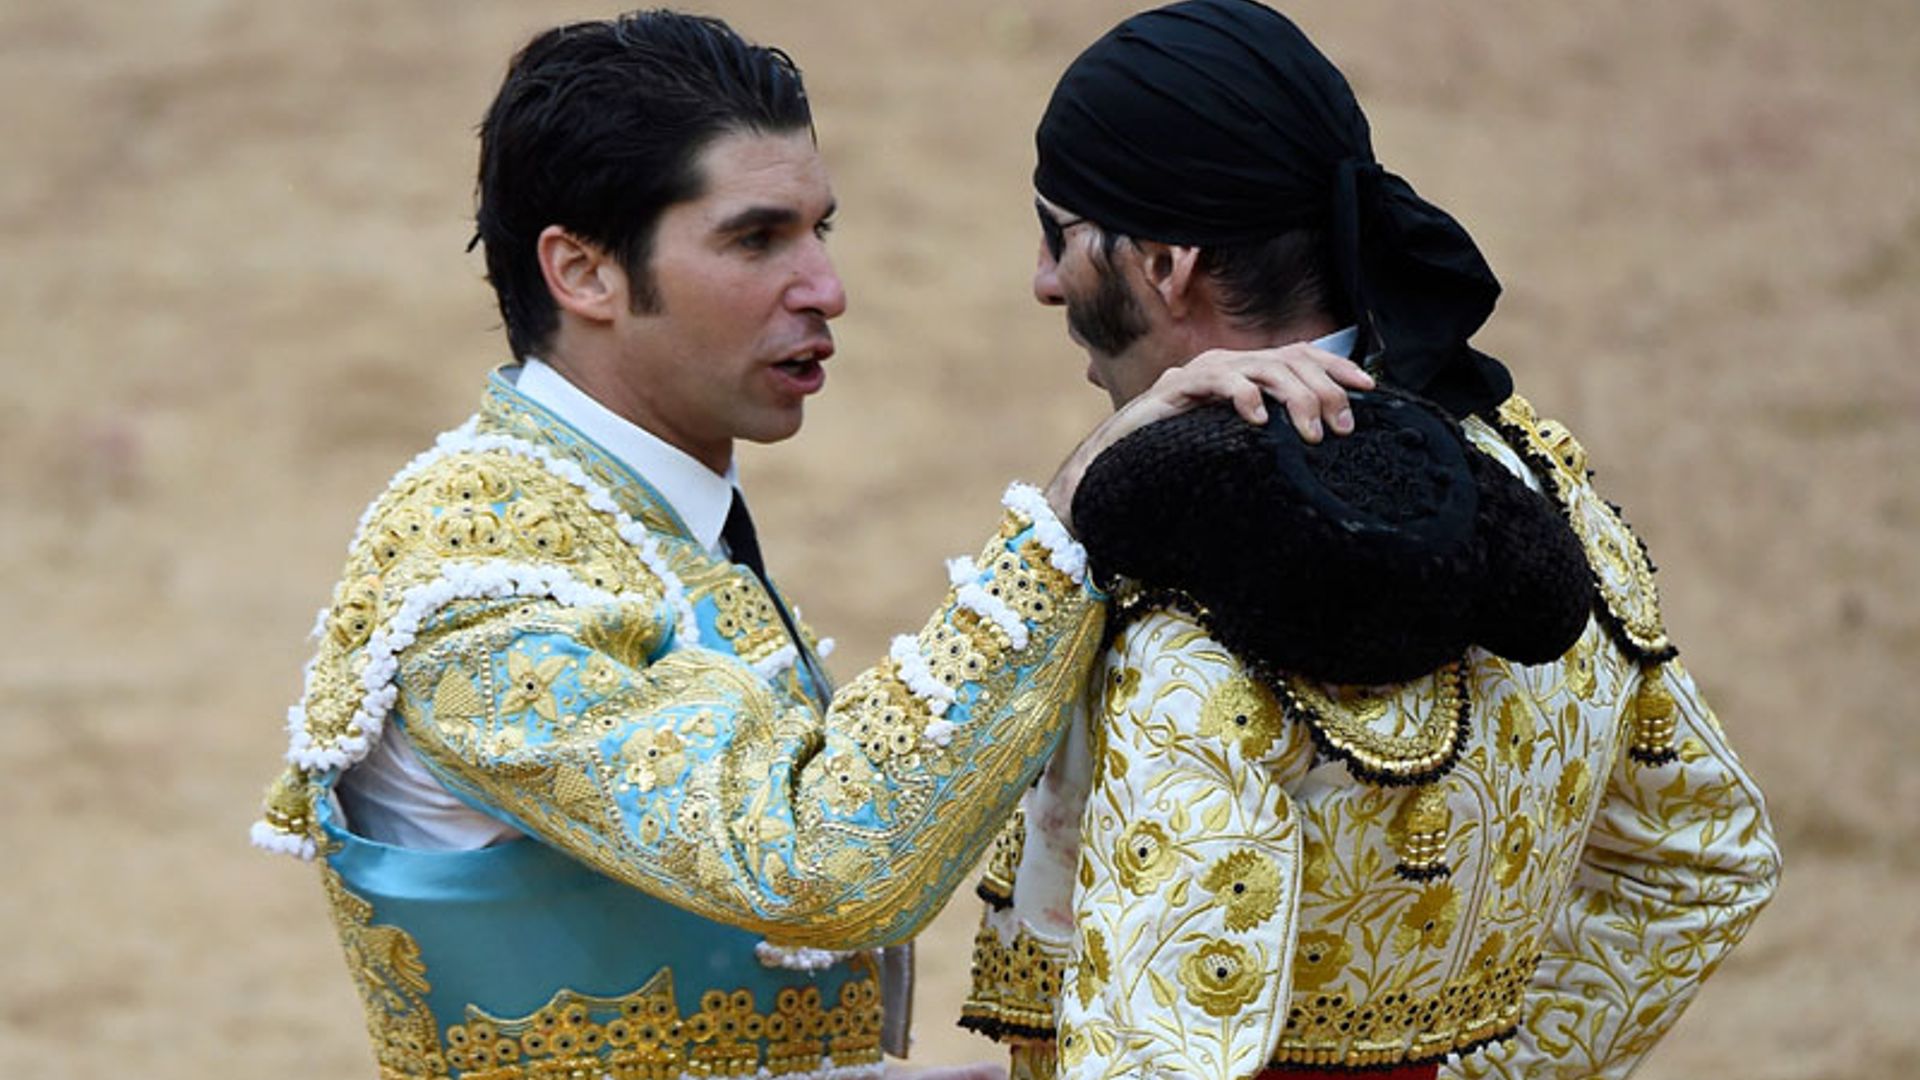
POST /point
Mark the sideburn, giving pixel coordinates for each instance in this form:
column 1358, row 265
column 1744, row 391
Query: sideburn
column 1111, row 319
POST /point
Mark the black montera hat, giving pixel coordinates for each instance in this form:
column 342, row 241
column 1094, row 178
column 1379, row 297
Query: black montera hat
column 1368, row 558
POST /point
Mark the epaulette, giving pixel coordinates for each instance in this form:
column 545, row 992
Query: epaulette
column 1622, row 570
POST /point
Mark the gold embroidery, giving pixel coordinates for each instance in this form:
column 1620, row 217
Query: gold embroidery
column 1242, row 711
column 1654, row 723
column 1143, row 857
column 639, row 1035
column 1014, row 986
column 289, row 804
column 643, row 1036
column 996, row 881
column 1221, row 976
column 1419, row 833
column 1621, row 569
column 1247, row 884
column 1345, row 728
column 1482, row 1005
column 385, row 964
column 355, row 613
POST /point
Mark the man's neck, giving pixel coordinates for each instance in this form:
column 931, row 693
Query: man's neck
column 605, row 384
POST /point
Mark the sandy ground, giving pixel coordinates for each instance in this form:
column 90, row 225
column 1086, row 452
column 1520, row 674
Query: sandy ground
column 235, row 299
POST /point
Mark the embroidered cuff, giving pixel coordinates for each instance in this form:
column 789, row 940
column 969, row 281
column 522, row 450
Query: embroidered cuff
column 1063, row 551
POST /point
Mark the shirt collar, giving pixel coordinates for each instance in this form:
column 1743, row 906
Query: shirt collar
column 700, row 496
column 1340, row 342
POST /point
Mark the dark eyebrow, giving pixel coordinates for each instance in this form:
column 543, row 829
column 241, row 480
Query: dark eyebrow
column 765, row 217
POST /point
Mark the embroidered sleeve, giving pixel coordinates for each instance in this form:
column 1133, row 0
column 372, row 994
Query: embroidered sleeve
column 1188, row 891
column 678, row 769
column 1680, row 860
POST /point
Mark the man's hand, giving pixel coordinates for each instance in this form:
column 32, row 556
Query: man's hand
column 1311, row 383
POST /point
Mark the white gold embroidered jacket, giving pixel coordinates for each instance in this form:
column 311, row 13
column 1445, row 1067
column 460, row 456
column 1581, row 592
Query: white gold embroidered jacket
column 1539, row 863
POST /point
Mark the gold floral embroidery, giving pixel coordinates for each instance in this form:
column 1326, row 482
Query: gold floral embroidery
column 849, row 784
column 1095, row 967
column 385, row 964
column 1516, row 733
column 1247, row 884
column 464, row 532
column 401, row 530
column 600, row 676
column 1243, row 712
column 532, row 685
column 1573, row 793
column 1516, row 846
column 355, row 612
column 475, row 484
column 1429, row 921
column 1144, row 857
column 1621, row 569
column 654, row 758
column 1319, row 958
column 1221, row 977
column 745, row 616
column 541, row 527
column 951, row 656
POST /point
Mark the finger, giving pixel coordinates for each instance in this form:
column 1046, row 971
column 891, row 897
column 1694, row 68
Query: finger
column 1248, row 401
column 1330, row 396
column 1302, row 405
column 1339, row 368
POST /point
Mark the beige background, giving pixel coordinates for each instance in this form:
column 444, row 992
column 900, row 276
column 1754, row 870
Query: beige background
column 234, row 300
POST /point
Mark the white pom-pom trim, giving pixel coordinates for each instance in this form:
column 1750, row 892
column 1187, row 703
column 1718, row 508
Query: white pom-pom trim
column 995, row 610
column 770, row 666
column 491, row 579
column 918, row 676
column 281, row 843
column 938, row 733
column 465, row 440
column 797, row 957
column 1063, row 551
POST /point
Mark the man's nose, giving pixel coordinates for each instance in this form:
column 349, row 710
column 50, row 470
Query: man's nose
column 818, row 288
column 1046, row 280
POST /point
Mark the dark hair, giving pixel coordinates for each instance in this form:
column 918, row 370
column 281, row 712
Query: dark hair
column 1271, row 283
column 597, row 129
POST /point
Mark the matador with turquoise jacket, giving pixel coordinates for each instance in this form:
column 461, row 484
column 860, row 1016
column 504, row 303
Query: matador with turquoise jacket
column 712, row 843
column 1389, row 768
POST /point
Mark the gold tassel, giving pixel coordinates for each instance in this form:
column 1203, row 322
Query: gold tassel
column 1419, row 834
column 1653, row 722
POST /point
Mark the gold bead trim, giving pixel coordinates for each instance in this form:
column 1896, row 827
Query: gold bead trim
column 1343, row 729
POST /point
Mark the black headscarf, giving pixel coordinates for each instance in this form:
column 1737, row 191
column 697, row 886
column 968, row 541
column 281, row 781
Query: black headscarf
column 1217, row 122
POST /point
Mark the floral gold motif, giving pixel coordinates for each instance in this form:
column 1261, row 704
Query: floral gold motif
column 1247, row 884
column 1221, row 977
column 1144, row 857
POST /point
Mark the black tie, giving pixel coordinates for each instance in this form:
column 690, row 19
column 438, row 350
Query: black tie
column 743, row 547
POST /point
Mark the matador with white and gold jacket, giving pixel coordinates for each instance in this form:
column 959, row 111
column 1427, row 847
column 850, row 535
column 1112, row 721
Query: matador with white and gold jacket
column 564, row 657
column 1505, row 870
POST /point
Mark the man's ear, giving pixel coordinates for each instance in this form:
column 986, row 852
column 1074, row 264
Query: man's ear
column 1170, row 270
column 582, row 278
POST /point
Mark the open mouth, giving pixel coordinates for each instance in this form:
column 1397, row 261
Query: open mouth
column 804, row 370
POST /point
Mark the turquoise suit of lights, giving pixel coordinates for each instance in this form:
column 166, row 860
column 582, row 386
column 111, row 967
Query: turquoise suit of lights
column 715, row 844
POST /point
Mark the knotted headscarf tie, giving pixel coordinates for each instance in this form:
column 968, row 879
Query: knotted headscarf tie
column 1216, row 122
